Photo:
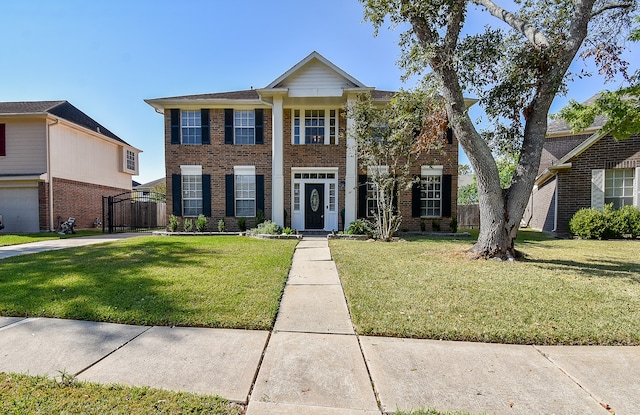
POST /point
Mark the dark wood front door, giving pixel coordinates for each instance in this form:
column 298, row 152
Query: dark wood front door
column 314, row 206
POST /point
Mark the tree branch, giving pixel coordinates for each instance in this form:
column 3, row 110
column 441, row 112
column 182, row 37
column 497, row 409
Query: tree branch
column 610, row 7
column 534, row 35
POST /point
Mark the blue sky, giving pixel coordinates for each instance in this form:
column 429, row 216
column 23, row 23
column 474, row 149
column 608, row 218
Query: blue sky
column 106, row 57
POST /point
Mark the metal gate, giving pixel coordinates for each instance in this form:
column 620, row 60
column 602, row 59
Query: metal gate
column 134, row 212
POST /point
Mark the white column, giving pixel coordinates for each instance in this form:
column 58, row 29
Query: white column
column 277, row 149
column 351, row 177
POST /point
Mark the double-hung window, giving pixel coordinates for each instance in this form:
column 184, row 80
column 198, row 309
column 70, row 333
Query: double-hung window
column 618, row 187
column 315, row 126
column 244, row 127
column 431, row 191
column 245, row 191
column 131, row 160
column 191, row 190
column 191, row 127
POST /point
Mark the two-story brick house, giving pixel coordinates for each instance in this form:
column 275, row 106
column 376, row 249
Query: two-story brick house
column 285, row 150
column 57, row 162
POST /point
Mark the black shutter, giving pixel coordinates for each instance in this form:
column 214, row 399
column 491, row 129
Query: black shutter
column 206, row 195
column 416, row 193
column 175, row 126
column 228, row 192
column 176, row 194
column 446, row 196
column 259, row 192
column 362, row 196
column 228, row 126
column 259, row 114
column 204, row 122
column 449, row 135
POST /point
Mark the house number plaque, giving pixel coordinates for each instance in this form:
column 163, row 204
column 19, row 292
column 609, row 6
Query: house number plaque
column 314, row 200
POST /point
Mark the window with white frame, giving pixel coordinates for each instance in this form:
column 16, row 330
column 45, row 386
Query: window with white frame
column 431, row 192
column 372, row 199
column 332, row 197
column 191, row 126
column 244, row 123
column 296, row 197
column 315, row 126
column 245, row 191
column 618, row 187
column 191, row 190
column 131, row 160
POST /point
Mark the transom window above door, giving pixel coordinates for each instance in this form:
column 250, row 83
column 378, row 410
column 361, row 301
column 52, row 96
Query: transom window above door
column 315, row 126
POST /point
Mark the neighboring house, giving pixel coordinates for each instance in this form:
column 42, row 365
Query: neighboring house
column 284, row 150
column 57, row 162
column 582, row 170
column 157, row 185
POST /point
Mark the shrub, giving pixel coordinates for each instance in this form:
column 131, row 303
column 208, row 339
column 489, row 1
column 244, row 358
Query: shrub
column 360, row 227
column 435, row 225
column 259, row 217
column 453, row 224
column 221, row 225
column 188, row 224
column 242, row 224
column 201, row 223
column 606, row 223
column 288, row 231
column 423, row 225
column 267, row 228
column 173, row 223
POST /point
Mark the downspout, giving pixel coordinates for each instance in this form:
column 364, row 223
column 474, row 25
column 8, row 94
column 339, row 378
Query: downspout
column 555, row 207
column 50, row 177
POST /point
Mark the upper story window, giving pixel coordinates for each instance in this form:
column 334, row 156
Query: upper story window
column 191, row 126
column 131, row 160
column 315, row 126
column 244, row 127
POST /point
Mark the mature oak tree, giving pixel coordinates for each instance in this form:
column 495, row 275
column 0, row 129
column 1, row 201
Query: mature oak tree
column 516, row 73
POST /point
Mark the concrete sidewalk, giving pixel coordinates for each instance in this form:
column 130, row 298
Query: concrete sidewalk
column 314, row 363
column 55, row 244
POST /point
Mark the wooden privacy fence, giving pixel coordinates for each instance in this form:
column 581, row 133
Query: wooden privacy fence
column 133, row 211
column 468, row 216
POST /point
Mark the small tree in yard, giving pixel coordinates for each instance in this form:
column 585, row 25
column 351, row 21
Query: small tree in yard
column 390, row 139
column 515, row 73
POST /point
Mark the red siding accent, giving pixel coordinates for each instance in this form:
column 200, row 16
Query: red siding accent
column 3, row 141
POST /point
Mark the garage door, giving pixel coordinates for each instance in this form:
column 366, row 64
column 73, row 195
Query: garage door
column 19, row 209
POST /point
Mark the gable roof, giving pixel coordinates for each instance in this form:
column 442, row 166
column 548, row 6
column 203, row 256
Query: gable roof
column 558, row 127
column 61, row 109
column 311, row 57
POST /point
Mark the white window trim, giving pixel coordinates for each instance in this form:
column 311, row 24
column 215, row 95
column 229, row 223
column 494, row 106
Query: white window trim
column 191, row 170
column 235, row 111
column 125, row 167
column 431, row 171
column 244, row 171
column 327, row 125
column 182, row 115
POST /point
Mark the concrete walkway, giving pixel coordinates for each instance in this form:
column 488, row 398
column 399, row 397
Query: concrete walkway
column 313, row 363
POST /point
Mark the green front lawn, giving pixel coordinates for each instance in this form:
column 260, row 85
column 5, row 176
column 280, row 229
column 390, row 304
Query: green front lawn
column 564, row 292
column 25, row 238
column 230, row 281
column 22, row 394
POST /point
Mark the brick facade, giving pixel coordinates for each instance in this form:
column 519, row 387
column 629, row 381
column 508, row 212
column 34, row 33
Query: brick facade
column 574, row 184
column 218, row 159
column 82, row 201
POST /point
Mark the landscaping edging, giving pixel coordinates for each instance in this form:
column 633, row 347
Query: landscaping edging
column 167, row 233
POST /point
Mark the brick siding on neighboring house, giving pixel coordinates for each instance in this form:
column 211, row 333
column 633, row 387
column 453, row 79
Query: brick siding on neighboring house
column 574, row 185
column 556, row 147
column 218, row 159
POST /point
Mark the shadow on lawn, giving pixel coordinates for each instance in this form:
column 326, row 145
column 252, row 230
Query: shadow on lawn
column 99, row 283
column 592, row 267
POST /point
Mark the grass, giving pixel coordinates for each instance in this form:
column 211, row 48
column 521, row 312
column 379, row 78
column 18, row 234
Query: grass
column 25, row 238
column 22, row 394
column 201, row 281
column 565, row 292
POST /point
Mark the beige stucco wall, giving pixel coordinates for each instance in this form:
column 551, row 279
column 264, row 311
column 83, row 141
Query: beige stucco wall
column 26, row 149
column 80, row 156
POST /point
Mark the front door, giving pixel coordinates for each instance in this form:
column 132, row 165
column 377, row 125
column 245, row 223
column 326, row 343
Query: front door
column 314, row 206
